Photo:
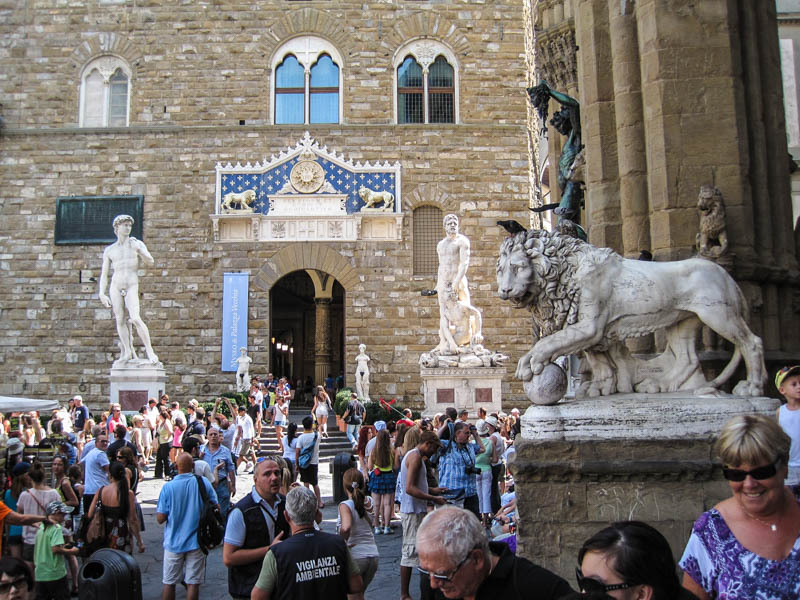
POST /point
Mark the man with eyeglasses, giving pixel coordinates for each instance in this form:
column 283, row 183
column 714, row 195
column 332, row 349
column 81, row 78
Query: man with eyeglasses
column 95, row 470
column 255, row 524
column 457, row 559
column 457, row 466
column 220, row 459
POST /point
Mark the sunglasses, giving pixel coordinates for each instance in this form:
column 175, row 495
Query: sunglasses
column 445, row 578
column 765, row 472
column 20, row 584
column 587, row 585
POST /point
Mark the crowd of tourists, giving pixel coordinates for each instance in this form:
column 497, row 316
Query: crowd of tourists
column 443, row 479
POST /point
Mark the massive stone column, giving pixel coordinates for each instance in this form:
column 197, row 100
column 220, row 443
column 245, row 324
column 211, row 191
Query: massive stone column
column 322, row 341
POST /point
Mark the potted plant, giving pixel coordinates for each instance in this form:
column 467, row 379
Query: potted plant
column 340, row 407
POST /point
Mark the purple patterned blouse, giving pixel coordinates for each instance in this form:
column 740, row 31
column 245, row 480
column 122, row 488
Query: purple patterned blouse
column 726, row 570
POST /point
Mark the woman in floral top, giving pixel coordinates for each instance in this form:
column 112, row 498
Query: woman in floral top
column 747, row 547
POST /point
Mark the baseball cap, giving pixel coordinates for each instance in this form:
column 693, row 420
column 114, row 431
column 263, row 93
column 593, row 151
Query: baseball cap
column 380, row 425
column 57, row 506
column 78, row 397
column 14, row 446
column 490, row 420
column 785, row 372
column 20, row 469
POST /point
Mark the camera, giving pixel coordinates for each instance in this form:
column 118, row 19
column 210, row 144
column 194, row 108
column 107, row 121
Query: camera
column 472, row 470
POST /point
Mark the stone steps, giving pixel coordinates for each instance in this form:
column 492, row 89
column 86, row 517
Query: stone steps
column 335, row 443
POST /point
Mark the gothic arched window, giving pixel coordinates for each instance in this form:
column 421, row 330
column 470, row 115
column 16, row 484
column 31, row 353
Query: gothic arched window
column 426, row 79
column 307, row 85
column 105, row 93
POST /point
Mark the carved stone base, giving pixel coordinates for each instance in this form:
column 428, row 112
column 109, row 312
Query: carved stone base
column 643, row 458
column 132, row 386
column 462, row 388
column 639, row 416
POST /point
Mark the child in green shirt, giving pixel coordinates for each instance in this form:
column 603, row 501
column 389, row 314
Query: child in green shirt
column 50, row 568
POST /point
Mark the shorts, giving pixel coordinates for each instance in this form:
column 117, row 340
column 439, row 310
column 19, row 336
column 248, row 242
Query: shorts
column 52, row 590
column 195, row 563
column 27, row 552
column 245, row 447
column 310, row 474
column 14, row 540
column 410, row 522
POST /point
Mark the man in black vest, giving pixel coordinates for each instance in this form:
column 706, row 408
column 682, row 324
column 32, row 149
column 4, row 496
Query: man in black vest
column 311, row 564
column 256, row 522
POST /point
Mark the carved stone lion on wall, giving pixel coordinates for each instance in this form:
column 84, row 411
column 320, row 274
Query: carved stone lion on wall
column 372, row 198
column 712, row 241
column 238, row 202
column 588, row 299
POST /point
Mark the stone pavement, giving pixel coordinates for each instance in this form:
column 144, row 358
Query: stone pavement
column 385, row 585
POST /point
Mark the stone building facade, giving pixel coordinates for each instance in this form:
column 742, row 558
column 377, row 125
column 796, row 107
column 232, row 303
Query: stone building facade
column 201, row 88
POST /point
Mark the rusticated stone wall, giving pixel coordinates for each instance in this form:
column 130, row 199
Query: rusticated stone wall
column 572, row 490
column 200, row 69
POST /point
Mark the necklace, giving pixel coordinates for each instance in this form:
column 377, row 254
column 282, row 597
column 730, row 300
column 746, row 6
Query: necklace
column 773, row 526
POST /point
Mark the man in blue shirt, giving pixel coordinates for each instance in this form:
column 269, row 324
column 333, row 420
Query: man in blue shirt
column 220, row 458
column 457, row 465
column 80, row 414
column 180, row 507
column 95, row 470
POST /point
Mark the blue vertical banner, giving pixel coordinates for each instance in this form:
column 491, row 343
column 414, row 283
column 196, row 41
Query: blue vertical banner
column 234, row 318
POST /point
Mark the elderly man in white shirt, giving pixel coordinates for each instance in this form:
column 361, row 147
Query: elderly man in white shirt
column 245, row 432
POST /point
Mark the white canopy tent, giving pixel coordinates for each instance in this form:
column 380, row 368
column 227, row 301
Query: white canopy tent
column 10, row 404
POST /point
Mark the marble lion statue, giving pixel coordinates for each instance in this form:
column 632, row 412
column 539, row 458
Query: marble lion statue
column 372, row 198
column 590, row 300
column 244, row 201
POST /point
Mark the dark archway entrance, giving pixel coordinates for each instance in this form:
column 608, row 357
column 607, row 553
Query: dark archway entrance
column 306, row 327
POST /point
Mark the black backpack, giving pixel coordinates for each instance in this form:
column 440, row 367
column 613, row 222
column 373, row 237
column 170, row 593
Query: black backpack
column 211, row 528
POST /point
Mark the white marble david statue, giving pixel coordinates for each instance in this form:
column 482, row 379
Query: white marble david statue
column 243, row 371
column 362, row 373
column 122, row 257
column 460, row 337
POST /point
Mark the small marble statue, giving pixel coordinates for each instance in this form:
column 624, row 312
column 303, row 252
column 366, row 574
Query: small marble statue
column 590, row 300
column 712, row 241
column 243, row 371
column 362, row 373
column 123, row 294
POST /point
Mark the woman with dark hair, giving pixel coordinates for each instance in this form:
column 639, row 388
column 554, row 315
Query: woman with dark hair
column 289, row 443
column 355, row 525
column 118, row 506
column 629, row 560
column 16, row 581
column 20, row 481
column 33, row 502
column 365, row 434
column 164, row 435
column 382, row 481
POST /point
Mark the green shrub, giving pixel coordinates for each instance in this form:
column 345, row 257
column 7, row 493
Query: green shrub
column 342, row 400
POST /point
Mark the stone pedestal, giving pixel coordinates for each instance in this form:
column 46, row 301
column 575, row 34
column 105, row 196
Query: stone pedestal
column 463, row 388
column 593, row 462
column 133, row 384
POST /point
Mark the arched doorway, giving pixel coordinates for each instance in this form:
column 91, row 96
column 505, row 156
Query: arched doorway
column 307, row 326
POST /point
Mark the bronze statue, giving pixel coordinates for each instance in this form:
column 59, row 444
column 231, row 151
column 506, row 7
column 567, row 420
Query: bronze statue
column 567, row 121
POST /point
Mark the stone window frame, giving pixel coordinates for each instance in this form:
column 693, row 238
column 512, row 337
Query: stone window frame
column 423, row 257
column 107, row 65
column 307, row 49
column 425, row 51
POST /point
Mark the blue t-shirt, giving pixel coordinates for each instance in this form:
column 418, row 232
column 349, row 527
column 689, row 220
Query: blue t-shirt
column 180, row 501
column 94, row 476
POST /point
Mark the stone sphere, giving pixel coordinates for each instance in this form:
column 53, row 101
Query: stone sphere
column 548, row 387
